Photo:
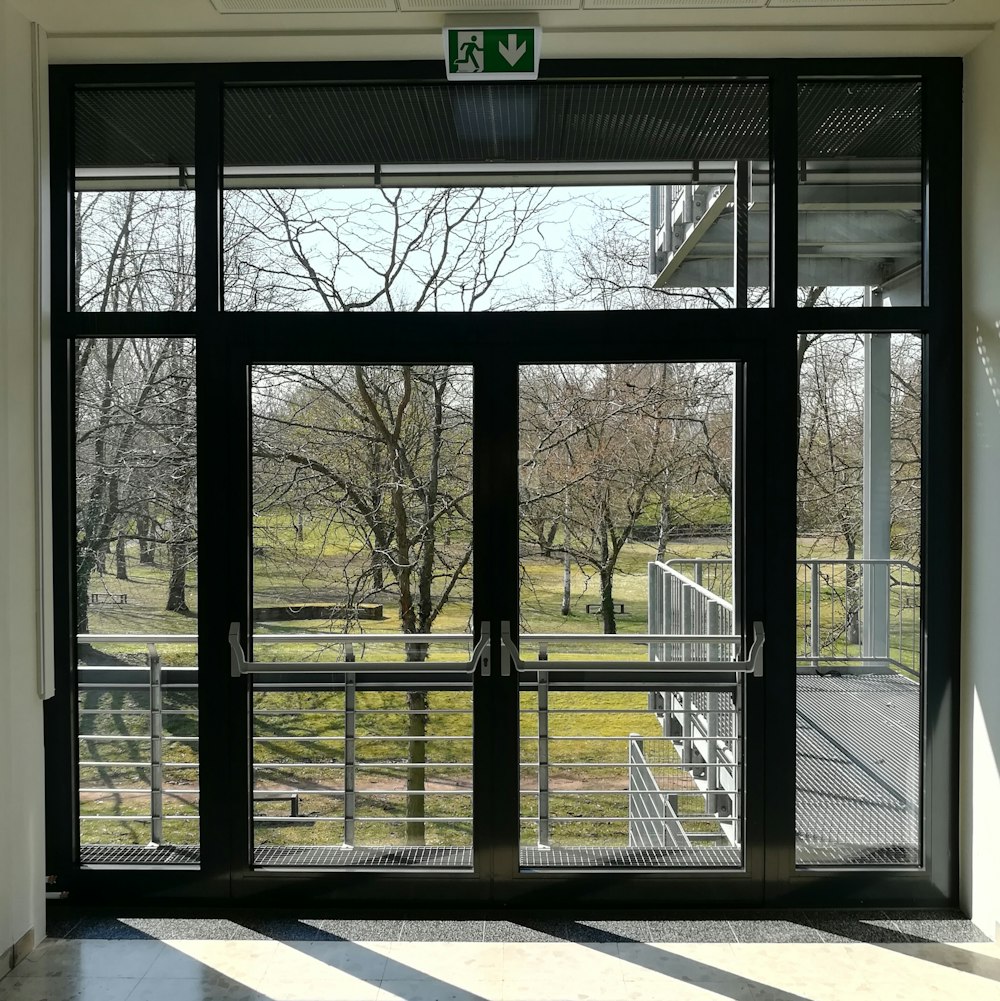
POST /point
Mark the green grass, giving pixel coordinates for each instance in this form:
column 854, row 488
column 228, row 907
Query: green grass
column 282, row 716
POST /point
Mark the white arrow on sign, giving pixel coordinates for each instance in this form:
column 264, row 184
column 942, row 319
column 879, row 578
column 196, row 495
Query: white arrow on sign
column 511, row 51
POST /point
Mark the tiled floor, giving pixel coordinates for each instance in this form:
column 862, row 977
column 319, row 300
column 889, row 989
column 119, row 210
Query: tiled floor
column 825, row 957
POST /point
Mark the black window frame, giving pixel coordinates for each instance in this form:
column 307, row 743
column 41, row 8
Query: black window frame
column 938, row 320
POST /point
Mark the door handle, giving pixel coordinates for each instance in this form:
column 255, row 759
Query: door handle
column 753, row 664
column 479, row 658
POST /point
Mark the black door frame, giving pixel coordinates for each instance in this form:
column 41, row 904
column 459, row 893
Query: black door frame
column 495, row 353
column 666, row 333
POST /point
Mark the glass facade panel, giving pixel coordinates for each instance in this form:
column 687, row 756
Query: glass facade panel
column 133, row 200
column 860, row 671
column 860, row 193
column 626, row 495
column 362, row 537
column 136, row 594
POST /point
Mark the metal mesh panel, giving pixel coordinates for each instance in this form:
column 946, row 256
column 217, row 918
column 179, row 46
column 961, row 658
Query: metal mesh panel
column 857, row 770
column 134, row 127
column 140, row 855
column 544, row 122
column 630, row 858
column 860, row 118
column 329, row 857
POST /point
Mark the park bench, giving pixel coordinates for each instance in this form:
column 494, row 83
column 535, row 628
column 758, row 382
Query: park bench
column 617, row 606
column 278, row 796
column 103, row 598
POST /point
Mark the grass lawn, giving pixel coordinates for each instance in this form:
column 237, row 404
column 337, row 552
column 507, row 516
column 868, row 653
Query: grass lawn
column 299, row 735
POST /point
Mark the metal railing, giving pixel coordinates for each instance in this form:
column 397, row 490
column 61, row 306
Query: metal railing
column 860, row 615
column 121, row 678
column 706, row 725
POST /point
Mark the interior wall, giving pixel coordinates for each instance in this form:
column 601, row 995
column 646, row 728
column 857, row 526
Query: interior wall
column 22, row 822
column 980, row 784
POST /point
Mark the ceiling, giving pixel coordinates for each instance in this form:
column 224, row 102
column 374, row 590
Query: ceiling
column 117, row 30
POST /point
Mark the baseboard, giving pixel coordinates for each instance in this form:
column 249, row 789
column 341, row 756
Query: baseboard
column 9, row 958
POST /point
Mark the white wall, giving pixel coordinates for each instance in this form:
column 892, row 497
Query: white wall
column 980, row 819
column 22, row 841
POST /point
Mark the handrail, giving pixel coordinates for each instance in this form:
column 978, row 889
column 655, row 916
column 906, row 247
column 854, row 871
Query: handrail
column 754, row 664
column 239, row 665
column 137, row 638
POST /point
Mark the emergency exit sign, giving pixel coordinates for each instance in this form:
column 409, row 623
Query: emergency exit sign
column 492, row 53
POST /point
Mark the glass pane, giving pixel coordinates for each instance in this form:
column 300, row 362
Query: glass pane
column 860, row 193
column 858, row 711
column 133, row 199
column 362, row 537
column 629, row 779
column 468, row 249
column 462, row 199
column 626, row 497
column 136, row 578
column 694, row 230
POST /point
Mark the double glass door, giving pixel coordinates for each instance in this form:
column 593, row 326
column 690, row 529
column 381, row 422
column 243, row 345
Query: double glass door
column 501, row 624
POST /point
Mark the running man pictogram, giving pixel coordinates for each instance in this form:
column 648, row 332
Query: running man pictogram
column 470, row 52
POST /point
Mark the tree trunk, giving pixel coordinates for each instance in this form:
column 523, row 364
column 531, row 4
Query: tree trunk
column 852, row 596
column 147, row 551
column 567, row 565
column 176, row 589
column 121, row 564
column 84, row 568
column 416, row 704
column 378, row 573
column 662, row 530
column 567, row 580
column 608, row 600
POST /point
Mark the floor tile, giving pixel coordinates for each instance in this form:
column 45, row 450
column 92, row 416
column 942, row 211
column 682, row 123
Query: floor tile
column 278, row 929
column 682, row 961
column 531, row 930
column 854, row 926
column 938, row 930
column 333, row 986
column 193, row 989
column 690, row 931
column 424, row 989
column 215, row 961
column 71, row 958
column 776, row 930
column 666, row 989
column 17, row 988
column 314, row 960
column 564, row 959
column 202, row 929
column 356, row 930
column 455, row 962
column 562, row 987
column 981, row 959
column 441, row 931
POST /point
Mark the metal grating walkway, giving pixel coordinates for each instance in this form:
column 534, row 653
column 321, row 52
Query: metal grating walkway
column 858, row 757
column 857, row 795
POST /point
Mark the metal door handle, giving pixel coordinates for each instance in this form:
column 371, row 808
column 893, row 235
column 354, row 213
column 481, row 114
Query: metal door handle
column 754, row 663
column 480, row 656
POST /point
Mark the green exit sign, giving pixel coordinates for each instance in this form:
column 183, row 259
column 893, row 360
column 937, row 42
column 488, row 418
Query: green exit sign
column 492, row 53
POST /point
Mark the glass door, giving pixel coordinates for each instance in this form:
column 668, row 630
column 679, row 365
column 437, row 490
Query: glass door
column 632, row 664
column 496, row 625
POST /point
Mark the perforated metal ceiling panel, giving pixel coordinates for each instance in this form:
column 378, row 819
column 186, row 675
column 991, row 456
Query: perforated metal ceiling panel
column 548, row 122
column 135, row 127
column 860, row 118
column 496, row 123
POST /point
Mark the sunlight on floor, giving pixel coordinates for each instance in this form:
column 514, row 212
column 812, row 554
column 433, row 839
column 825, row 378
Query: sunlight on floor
column 192, row 970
